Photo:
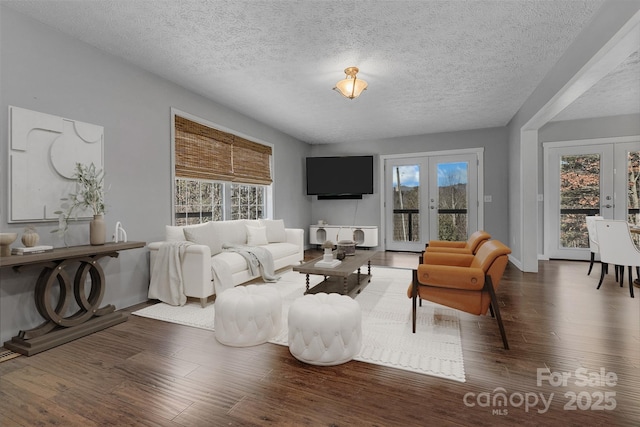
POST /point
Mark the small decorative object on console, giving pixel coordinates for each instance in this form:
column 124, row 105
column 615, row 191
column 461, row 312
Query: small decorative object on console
column 30, row 238
column 31, row 250
column 119, row 235
column 6, row 239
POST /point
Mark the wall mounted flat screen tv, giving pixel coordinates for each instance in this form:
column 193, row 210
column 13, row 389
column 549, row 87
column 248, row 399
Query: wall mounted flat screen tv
column 347, row 177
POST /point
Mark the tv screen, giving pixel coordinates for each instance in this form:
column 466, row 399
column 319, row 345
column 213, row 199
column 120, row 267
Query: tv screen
column 340, row 177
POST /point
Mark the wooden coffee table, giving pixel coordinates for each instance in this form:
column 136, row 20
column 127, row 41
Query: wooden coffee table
column 345, row 279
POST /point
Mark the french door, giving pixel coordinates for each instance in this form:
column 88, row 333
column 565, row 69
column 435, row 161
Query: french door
column 587, row 180
column 428, row 198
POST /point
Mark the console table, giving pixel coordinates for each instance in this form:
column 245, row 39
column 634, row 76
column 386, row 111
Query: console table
column 365, row 236
column 90, row 317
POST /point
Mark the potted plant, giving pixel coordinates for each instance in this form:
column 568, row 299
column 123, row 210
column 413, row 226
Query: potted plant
column 89, row 195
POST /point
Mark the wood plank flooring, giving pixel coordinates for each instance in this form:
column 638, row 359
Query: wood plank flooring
column 147, row 372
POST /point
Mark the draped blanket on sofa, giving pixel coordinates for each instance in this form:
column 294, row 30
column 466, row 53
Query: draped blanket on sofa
column 258, row 260
column 167, row 284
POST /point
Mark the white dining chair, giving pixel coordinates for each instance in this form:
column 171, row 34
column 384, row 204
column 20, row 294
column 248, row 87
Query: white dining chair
column 593, row 239
column 594, row 247
column 617, row 247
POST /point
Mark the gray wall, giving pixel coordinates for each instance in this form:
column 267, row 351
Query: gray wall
column 367, row 210
column 46, row 71
column 524, row 168
column 601, row 127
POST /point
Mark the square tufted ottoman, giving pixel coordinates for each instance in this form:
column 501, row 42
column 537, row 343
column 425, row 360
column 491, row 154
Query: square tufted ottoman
column 247, row 315
column 325, row 329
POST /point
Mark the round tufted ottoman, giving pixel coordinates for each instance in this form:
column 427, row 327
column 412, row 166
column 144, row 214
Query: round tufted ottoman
column 247, row 315
column 325, row 329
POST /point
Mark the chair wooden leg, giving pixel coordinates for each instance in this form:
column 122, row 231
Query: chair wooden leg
column 488, row 284
column 621, row 268
column 591, row 263
column 602, row 273
column 630, row 281
column 491, row 310
column 414, row 298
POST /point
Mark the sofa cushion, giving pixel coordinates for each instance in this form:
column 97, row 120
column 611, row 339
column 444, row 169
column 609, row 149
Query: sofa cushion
column 174, row 233
column 205, row 234
column 234, row 260
column 275, row 230
column 281, row 250
column 233, row 232
column 256, row 236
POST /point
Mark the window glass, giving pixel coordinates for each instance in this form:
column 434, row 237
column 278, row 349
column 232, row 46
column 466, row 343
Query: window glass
column 200, row 201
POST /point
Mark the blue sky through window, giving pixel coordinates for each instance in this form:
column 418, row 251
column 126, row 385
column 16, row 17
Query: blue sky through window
column 448, row 174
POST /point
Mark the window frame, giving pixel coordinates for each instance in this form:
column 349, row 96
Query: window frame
column 226, row 206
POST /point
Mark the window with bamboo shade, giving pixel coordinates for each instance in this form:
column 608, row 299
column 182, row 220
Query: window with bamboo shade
column 203, row 152
column 218, row 175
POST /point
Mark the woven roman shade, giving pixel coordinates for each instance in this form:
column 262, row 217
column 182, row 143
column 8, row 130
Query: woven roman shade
column 202, row 152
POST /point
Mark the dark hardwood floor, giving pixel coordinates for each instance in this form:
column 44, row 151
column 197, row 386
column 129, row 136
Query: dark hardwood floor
column 148, row 372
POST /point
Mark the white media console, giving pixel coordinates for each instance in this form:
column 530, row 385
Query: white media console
column 365, row 236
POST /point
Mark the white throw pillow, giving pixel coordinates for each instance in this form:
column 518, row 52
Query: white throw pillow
column 275, row 230
column 232, row 232
column 205, row 234
column 173, row 233
column 256, row 236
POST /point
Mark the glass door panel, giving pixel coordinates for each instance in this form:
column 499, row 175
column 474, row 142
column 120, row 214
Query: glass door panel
column 579, row 197
column 406, row 203
column 453, row 197
column 404, row 221
column 633, row 183
column 429, row 198
column 598, row 179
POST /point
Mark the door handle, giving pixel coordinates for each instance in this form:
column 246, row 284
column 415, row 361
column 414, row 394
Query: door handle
column 607, row 206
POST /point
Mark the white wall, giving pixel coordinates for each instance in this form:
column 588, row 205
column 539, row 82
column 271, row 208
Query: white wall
column 525, row 169
column 493, row 140
column 44, row 70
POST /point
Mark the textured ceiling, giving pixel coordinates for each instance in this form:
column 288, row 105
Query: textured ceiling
column 616, row 94
column 432, row 66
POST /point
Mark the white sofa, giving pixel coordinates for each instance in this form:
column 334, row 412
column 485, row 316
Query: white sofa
column 286, row 245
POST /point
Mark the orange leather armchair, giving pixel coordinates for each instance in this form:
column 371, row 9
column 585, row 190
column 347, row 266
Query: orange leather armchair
column 462, row 281
column 470, row 246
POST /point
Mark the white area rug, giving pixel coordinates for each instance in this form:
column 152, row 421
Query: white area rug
column 435, row 349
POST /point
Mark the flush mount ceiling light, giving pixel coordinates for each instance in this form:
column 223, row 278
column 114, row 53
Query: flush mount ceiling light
column 351, row 87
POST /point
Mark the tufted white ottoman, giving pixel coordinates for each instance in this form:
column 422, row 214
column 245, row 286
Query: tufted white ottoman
column 247, row 315
column 325, row 329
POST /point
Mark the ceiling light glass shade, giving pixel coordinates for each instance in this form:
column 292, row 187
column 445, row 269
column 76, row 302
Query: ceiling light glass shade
column 351, row 87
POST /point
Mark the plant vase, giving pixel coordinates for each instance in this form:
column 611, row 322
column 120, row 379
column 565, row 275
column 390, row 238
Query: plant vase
column 97, row 230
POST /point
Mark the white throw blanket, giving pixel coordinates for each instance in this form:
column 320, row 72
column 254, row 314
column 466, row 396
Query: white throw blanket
column 258, row 259
column 221, row 274
column 167, row 284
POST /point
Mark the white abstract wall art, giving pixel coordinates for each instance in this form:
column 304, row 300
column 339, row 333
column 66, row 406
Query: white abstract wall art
column 43, row 152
